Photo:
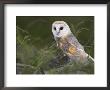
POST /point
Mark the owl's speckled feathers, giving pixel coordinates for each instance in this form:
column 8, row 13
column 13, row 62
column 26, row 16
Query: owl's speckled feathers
column 67, row 41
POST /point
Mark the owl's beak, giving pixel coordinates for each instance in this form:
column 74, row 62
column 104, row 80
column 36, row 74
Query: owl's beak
column 58, row 33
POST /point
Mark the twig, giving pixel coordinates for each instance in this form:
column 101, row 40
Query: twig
column 90, row 57
column 25, row 65
column 18, row 28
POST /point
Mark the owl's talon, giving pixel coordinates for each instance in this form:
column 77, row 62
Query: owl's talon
column 64, row 54
column 57, row 44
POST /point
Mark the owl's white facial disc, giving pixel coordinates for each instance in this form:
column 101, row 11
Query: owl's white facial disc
column 60, row 29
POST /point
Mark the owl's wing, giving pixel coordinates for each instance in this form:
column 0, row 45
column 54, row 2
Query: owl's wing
column 73, row 41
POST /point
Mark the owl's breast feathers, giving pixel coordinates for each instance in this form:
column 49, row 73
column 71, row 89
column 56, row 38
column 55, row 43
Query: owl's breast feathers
column 71, row 47
column 67, row 47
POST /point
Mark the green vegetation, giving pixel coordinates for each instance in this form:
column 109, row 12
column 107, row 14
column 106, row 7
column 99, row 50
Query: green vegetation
column 36, row 50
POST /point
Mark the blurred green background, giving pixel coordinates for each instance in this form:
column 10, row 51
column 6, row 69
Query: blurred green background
column 36, row 48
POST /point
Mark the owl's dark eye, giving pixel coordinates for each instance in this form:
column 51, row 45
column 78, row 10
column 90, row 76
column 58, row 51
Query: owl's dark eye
column 61, row 28
column 54, row 28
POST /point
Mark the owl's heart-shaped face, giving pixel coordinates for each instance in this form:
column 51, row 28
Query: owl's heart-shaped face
column 60, row 29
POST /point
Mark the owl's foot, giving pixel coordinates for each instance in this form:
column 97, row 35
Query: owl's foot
column 64, row 54
column 57, row 45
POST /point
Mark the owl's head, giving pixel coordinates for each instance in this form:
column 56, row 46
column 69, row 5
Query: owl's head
column 60, row 29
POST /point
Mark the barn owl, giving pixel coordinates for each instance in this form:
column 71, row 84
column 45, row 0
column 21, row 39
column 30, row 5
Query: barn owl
column 67, row 42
